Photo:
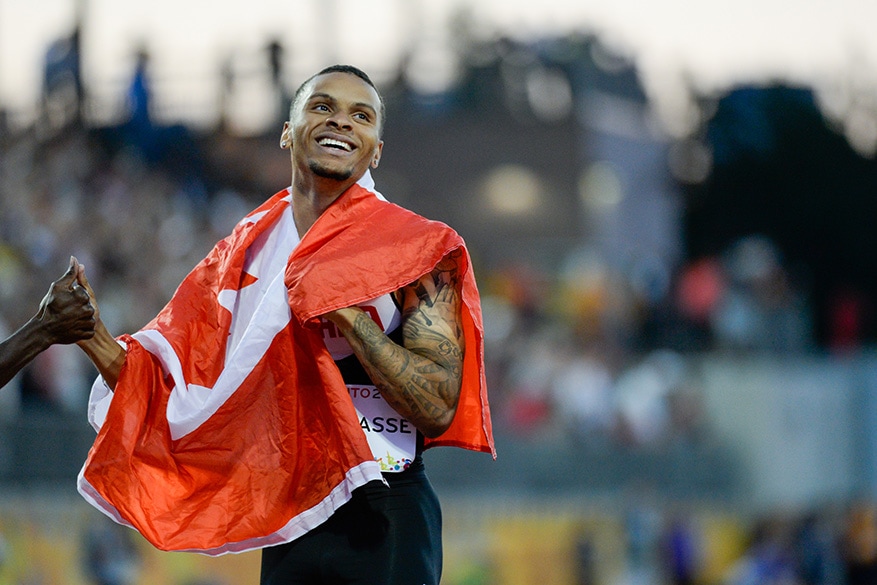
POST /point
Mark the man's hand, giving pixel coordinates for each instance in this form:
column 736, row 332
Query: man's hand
column 66, row 314
column 101, row 348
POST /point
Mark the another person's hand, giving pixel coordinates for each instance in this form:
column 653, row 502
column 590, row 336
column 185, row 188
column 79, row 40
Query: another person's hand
column 66, row 314
column 100, row 347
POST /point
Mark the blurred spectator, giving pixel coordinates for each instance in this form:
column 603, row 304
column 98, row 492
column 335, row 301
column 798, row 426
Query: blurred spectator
column 760, row 309
column 144, row 136
column 63, row 95
column 528, row 404
column 642, row 394
column 816, row 548
column 140, row 93
column 642, row 528
column 680, row 550
column 110, row 554
column 582, row 390
column 769, row 560
column 848, row 312
column 860, row 544
column 700, row 289
column 585, row 560
column 276, row 65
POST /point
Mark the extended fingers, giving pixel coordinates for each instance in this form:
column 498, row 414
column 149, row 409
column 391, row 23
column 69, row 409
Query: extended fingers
column 82, row 280
column 81, row 295
column 69, row 278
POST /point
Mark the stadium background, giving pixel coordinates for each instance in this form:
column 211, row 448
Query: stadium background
column 677, row 268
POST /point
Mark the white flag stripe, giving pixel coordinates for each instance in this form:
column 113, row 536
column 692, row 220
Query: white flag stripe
column 260, row 311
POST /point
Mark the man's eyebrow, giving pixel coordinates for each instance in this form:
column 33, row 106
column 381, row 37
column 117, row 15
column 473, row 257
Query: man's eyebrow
column 365, row 105
column 324, row 96
column 329, row 98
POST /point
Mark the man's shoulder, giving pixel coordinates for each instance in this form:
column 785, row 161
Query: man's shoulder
column 385, row 210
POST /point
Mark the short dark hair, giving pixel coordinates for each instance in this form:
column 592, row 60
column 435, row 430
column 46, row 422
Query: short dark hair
column 349, row 69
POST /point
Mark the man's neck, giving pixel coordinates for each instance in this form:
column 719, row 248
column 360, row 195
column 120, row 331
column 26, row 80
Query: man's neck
column 312, row 196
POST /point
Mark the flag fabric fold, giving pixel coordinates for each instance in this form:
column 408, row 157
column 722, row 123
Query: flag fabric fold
column 230, row 427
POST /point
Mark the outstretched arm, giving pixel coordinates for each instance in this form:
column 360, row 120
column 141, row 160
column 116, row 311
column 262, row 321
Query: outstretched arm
column 65, row 316
column 421, row 378
column 104, row 351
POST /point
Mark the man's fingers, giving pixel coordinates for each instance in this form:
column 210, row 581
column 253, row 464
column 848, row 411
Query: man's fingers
column 80, row 293
column 83, row 281
column 70, row 276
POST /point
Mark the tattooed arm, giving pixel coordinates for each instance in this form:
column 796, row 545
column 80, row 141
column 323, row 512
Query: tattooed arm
column 421, row 378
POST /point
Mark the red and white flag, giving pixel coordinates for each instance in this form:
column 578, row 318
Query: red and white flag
column 230, row 427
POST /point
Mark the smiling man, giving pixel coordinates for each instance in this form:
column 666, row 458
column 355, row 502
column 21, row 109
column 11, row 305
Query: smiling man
column 283, row 398
column 337, row 119
column 334, row 135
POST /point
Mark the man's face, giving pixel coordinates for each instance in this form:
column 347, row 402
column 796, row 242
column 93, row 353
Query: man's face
column 335, row 132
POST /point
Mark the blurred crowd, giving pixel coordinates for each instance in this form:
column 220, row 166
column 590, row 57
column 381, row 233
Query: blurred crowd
column 589, row 354
column 830, row 546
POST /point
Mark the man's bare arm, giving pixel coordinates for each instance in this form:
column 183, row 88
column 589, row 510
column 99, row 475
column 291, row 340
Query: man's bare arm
column 104, row 351
column 65, row 315
column 421, row 378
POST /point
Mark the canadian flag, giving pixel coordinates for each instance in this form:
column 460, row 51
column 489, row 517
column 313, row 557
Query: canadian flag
column 230, row 427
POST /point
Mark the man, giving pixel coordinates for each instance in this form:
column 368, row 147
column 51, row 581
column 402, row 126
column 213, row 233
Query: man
column 65, row 316
column 339, row 362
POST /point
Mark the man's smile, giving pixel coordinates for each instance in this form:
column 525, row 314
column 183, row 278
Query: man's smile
column 336, row 144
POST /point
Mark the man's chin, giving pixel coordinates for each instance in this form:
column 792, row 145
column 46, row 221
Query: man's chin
column 328, row 173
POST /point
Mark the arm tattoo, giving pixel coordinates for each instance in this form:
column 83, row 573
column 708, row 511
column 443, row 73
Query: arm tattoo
column 420, row 379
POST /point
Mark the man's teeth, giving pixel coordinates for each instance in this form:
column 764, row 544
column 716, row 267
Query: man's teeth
column 334, row 143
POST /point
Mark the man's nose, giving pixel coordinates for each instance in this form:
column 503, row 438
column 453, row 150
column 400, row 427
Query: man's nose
column 340, row 119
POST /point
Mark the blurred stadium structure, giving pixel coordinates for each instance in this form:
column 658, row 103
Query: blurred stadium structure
column 680, row 327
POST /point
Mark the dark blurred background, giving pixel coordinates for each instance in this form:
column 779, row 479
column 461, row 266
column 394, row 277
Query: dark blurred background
column 679, row 315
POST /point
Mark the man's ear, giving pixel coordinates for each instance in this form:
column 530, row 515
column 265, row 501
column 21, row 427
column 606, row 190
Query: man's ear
column 376, row 159
column 286, row 136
